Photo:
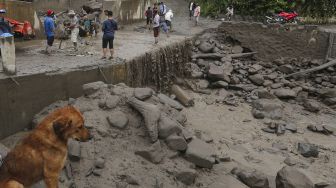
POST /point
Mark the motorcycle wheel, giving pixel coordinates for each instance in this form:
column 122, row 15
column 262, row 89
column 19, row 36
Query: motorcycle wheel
column 270, row 21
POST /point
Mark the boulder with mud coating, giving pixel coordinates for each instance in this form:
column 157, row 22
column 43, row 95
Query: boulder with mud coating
column 251, row 178
column 187, row 176
column 168, row 126
column 308, row 150
column 266, row 108
column 200, row 153
column 285, row 93
column 257, row 79
column 311, row 106
column 151, row 115
column 164, row 99
column 118, row 119
column 109, row 102
column 93, row 87
column 206, row 47
column 289, row 177
column 143, row 93
column 153, row 154
column 176, row 142
column 216, row 73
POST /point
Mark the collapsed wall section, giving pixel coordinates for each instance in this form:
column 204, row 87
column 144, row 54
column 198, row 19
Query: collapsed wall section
column 25, row 96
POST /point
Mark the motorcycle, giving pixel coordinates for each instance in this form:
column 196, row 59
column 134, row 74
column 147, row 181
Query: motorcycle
column 283, row 17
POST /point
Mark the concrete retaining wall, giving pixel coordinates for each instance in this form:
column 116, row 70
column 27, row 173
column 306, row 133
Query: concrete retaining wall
column 276, row 41
column 18, row 104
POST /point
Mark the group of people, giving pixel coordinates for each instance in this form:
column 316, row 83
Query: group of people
column 194, row 11
column 109, row 26
column 159, row 17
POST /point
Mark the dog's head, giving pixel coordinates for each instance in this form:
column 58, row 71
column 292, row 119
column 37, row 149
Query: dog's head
column 70, row 124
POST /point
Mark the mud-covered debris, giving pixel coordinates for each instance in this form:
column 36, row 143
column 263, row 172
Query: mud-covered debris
column 308, row 150
column 187, row 176
column 153, row 154
column 143, row 93
column 200, row 153
column 176, row 142
column 93, row 87
column 74, row 150
column 289, row 177
column 118, row 119
column 168, row 126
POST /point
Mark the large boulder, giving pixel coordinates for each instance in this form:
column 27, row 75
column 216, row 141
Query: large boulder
column 93, row 87
column 176, row 142
column 168, row 126
column 252, row 178
column 308, row 150
column 289, row 177
column 312, row 106
column 217, row 73
column 257, row 79
column 206, row 47
column 164, row 99
column 200, row 153
column 227, row 181
column 143, row 93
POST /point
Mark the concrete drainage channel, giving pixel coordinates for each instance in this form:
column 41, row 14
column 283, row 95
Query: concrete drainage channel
column 20, row 101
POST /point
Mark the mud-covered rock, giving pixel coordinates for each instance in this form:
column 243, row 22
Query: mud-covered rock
column 285, row 93
column 257, row 79
column 93, row 87
column 289, row 177
column 312, row 106
column 164, row 99
column 227, row 181
column 168, row 126
column 308, row 150
column 187, row 176
column 206, row 47
column 267, row 108
column 253, row 179
column 216, row 73
column 200, row 153
column 109, row 102
column 118, row 119
column 153, row 154
column 143, row 93
column 176, row 142
column 74, row 150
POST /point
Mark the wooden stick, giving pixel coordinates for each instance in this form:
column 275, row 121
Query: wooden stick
column 321, row 67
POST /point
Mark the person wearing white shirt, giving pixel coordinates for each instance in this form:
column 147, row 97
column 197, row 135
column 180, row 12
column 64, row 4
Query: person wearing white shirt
column 197, row 13
column 229, row 13
column 168, row 17
column 156, row 27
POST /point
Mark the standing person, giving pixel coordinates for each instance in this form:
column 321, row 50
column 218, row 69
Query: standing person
column 149, row 17
column 5, row 26
column 155, row 9
column 197, row 13
column 191, row 9
column 168, row 18
column 156, row 27
column 229, row 13
column 163, row 9
column 109, row 28
column 49, row 30
column 74, row 26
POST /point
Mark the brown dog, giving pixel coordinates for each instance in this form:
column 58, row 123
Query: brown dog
column 42, row 154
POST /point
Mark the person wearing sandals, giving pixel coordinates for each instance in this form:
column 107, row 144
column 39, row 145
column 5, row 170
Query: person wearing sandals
column 109, row 28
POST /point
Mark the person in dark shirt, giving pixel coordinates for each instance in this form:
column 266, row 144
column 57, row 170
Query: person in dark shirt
column 109, row 28
column 4, row 24
column 149, row 17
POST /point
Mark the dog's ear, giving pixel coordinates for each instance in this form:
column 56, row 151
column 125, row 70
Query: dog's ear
column 60, row 125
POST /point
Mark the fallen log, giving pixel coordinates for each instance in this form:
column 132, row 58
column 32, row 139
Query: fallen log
column 151, row 115
column 321, row 67
column 220, row 56
column 182, row 96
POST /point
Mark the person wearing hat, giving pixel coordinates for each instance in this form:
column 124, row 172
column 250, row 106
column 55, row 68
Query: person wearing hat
column 5, row 26
column 49, row 30
column 74, row 26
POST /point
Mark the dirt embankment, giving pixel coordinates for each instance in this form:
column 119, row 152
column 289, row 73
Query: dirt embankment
column 276, row 41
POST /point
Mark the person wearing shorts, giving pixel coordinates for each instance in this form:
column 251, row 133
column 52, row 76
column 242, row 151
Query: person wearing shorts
column 49, row 29
column 149, row 17
column 109, row 28
column 156, row 27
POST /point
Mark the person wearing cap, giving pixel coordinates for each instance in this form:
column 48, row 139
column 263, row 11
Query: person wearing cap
column 74, row 26
column 4, row 24
column 49, row 30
